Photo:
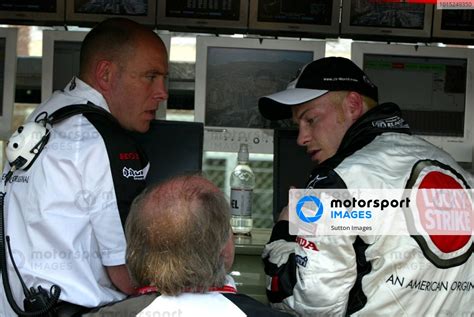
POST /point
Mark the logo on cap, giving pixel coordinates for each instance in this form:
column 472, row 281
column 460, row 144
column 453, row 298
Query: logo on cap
column 367, row 80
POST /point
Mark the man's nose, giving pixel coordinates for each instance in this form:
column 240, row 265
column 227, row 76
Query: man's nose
column 161, row 91
column 303, row 137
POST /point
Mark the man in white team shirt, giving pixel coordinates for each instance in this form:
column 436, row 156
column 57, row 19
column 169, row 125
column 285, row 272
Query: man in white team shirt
column 65, row 214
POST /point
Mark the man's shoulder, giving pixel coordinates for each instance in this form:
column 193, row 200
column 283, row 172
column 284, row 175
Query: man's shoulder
column 58, row 100
column 125, row 308
column 389, row 159
column 253, row 308
column 133, row 305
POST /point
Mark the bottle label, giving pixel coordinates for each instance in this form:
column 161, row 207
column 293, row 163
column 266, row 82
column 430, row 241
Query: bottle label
column 241, row 202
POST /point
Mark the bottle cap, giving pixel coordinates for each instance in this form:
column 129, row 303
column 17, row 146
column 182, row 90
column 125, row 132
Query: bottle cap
column 243, row 152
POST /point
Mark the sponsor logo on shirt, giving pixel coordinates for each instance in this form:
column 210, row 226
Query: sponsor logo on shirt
column 319, row 178
column 17, row 179
column 306, row 244
column 129, row 156
column 314, row 180
column 130, row 172
column 443, row 214
column 301, row 261
column 394, row 122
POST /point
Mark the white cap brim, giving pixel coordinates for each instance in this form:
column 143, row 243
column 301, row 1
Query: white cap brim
column 295, row 96
column 277, row 106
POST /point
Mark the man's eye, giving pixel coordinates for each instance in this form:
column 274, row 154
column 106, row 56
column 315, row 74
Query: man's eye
column 151, row 77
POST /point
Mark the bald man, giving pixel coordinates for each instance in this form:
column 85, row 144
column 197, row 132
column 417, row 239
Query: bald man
column 65, row 214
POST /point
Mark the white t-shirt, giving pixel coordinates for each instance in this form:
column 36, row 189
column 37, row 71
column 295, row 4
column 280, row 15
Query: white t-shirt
column 62, row 215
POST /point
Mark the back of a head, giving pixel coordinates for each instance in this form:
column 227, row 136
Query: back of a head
column 175, row 234
column 112, row 39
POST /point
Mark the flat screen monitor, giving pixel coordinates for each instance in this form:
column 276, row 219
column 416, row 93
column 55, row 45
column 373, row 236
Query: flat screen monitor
column 90, row 12
column 60, row 62
column 231, row 74
column 44, row 12
column 8, row 39
column 304, row 18
column 173, row 148
column 453, row 26
column 432, row 85
column 291, row 167
column 214, row 16
column 386, row 20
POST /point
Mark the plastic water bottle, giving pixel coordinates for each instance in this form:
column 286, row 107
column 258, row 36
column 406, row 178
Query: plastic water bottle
column 242, row 182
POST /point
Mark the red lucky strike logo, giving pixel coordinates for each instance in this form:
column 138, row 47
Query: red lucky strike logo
column 445, row 211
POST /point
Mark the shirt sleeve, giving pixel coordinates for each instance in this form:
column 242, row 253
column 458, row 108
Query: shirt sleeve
column 310, row 275
column 104, row 214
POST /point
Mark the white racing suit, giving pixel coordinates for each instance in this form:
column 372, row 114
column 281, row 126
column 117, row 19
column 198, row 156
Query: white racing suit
column 375, row 275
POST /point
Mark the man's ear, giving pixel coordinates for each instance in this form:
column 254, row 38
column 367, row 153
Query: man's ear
column 103, row 74
column 353, row 106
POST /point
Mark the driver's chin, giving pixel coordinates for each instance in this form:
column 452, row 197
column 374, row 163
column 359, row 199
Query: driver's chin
column 320, row 157
column 143, row 127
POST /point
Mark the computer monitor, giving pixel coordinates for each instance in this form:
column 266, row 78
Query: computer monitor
column 291, row 167
column 453, row 26
column 8, row 39
column 231, row 74
column 203, row 16
column 303, row 18
column 386, row 20
column 44, row 12
column 90, row 12
column 173, row 148
column 432, row 85
column 60, row 61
